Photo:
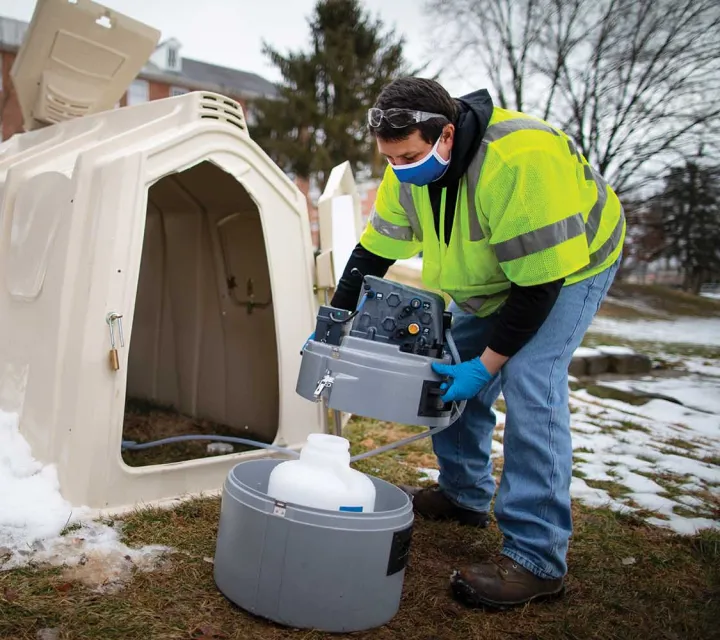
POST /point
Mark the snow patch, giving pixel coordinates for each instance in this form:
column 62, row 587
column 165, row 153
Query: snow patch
column 700, row 366
column 684, row 526
column 33, row 514
column 586, row 352
column 691, row 501
column 610, row 350
column 92, row 555
column 431, row 475
column 702, row 331
column 638, row 448
column 594, row 497
column 695, row 392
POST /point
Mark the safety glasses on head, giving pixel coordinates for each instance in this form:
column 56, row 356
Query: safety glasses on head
column 399, row 118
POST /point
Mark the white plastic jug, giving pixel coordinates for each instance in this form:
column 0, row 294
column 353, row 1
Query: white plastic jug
column 322, row 478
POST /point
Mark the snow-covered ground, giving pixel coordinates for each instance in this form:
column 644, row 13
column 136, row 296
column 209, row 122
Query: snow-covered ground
column 657, row 456
column 698, row 331
column 661, row 457
column 34, row 516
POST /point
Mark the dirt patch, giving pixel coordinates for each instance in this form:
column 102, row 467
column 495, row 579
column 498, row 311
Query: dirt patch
column 146, row 422
column 422, row 460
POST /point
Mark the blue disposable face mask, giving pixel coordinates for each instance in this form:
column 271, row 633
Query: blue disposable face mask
column 430, row 168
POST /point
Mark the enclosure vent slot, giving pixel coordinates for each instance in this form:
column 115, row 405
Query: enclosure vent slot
column 217, row 108
column 60, row 109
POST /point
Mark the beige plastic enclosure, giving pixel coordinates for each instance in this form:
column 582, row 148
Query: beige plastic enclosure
column 168, row 215
column 341, row 226
column 78, row 58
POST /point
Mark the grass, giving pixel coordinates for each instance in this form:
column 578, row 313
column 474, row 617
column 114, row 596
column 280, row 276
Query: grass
column 627, row 425
column 614, row 489
column 668, row 592
column 611, row 393
column 658, row 299
column 651, row 347
column 685, row 452
column 681, row 444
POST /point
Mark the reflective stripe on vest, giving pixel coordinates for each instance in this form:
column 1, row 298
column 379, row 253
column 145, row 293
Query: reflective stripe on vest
column 394, row 231
column 574, row 151
column 545, row 237
column 473, row 177
column 605, row 249
column 473, row 305
column 406, row 202
column 593, row 222
column 476, row 303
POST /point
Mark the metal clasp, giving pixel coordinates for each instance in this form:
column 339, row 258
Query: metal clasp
column 325, row 383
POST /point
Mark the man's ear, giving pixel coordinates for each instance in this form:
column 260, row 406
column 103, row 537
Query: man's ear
column 448, row 133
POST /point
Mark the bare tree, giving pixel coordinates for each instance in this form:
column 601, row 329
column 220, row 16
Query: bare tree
column 635, row 82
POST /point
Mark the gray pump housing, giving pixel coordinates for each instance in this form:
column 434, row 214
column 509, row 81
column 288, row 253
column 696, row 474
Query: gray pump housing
column 380, row 365
column 310, row 568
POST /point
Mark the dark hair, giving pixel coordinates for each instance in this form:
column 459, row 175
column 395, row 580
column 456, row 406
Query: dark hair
column 420, row 94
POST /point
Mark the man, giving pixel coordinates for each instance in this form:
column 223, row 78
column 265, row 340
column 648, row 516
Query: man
column 526, row 238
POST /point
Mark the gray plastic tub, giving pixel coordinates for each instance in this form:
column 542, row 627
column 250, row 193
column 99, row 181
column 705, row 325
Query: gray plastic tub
column 311, row 568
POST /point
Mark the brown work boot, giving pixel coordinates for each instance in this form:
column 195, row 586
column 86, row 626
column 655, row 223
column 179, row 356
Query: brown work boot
column 500, row 583
column 433, row 504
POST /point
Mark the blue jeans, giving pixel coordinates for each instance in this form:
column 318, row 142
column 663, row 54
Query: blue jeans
column 532, row 507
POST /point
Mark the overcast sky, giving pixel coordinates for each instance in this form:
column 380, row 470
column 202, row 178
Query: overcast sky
column 231, row 32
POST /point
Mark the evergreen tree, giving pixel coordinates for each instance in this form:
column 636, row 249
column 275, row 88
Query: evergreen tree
column 687, row 214
column 320, row 117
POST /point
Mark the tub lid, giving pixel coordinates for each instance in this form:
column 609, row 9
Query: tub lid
column 247, row 484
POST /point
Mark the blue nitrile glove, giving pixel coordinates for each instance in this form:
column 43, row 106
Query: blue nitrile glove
column 468, row 379
column 311, row 337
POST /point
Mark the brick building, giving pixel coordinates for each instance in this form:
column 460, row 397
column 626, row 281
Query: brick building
column 166, row 74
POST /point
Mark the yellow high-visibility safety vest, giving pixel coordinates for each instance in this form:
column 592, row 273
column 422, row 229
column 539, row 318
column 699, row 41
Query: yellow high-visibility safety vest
column 530, row 210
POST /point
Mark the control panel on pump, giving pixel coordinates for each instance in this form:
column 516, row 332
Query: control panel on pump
column 376, row 361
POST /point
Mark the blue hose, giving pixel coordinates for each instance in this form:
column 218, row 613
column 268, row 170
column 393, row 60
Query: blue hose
column 130, row 445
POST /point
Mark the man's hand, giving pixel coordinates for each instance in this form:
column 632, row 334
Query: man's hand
column 468, row 379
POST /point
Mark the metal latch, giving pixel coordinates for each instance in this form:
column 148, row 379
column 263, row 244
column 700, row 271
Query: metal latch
column 111, row 319
column 325, row 383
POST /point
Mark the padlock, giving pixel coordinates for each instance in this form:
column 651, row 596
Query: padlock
column 114, row 358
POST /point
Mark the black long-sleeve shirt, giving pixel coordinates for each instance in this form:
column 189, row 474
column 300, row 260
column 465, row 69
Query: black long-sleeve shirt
column 518, row 320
